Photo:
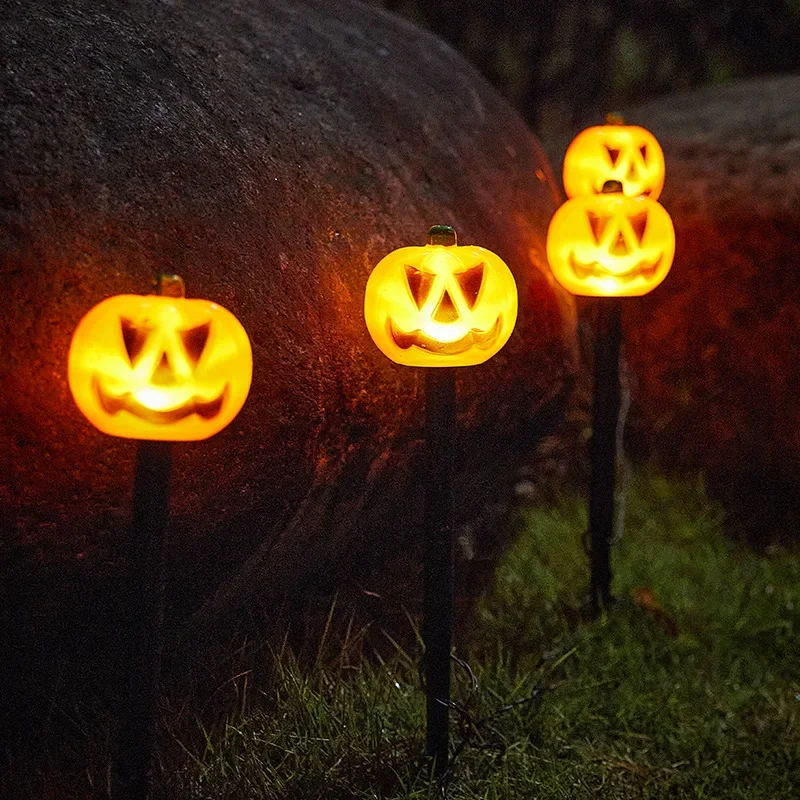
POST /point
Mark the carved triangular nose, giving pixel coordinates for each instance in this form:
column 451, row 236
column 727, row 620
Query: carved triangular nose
column 619, row 247
column 163, row 375
column 446, row 311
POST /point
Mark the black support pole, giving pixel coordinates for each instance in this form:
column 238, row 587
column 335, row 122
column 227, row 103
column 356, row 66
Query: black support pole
column 133, row 755
column 603, row 447
column 437, row 623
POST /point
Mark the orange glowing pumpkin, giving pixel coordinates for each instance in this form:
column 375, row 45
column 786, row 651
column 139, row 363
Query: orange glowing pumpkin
column 610, row 245
column 160, row 368
column 626, row 153
column 440, row 305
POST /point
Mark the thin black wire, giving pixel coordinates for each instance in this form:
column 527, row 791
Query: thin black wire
column 471, row 729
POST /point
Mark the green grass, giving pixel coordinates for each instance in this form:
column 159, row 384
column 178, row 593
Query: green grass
column 696, row 697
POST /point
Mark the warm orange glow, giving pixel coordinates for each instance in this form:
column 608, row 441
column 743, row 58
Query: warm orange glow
column 161, row 368
column 440, row 305
column 624, row 153
column 609, row 245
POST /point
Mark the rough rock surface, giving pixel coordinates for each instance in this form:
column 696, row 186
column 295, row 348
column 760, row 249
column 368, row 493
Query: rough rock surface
column 271, row 153
column 715, row 349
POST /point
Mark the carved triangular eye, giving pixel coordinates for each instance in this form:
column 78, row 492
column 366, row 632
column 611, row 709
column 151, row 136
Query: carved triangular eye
column 598, row 225
column 643, row 151
column 639, row 225
column 471, row 282
column 133, row 338
column 195, row 340
column 613, row 154
column 419, row 284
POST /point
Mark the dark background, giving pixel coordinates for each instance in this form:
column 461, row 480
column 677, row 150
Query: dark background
column 563, row 63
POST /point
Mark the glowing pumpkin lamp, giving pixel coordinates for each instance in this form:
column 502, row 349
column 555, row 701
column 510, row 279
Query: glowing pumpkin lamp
column 610, row 245
column 160, row 367
column 618, row 243
column 625, row 153
column 440, row 306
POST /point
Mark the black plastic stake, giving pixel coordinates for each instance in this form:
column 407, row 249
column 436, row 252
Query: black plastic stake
column 133, row 756
column 437, row 623
column 603, row 447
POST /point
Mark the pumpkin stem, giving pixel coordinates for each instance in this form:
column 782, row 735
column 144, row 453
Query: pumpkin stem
column 614, row 118
column 169, row 285
column 612, row 187
column 442, row 234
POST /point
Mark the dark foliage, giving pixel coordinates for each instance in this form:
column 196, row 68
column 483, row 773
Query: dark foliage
column 560, row 61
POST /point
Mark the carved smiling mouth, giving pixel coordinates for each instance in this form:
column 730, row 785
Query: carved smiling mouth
column 598, row 189
column 644, row 269
column 207, row 409
column 482, row 340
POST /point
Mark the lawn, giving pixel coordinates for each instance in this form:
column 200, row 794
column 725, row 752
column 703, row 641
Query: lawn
column 688, row 687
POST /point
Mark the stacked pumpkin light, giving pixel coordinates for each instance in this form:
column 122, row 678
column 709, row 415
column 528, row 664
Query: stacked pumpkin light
column 157, row 368
column 610, row 240
column 439, row 307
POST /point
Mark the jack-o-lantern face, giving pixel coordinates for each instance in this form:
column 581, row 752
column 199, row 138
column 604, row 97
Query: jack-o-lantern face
column 161, row 368
column 440, row 306
column 625, row 153
column 609, row 245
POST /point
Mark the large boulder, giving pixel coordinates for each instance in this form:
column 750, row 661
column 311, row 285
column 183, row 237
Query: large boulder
column 714, row 350
column 271, row 153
